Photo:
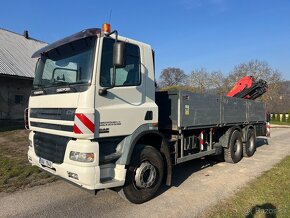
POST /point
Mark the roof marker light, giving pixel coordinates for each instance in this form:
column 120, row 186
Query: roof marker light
column 106, row 28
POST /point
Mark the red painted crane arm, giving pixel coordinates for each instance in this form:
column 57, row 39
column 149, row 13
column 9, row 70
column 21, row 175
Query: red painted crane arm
column 244, row 83
column 248, row 88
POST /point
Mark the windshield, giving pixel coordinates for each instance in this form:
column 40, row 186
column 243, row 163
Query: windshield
column 71, row 63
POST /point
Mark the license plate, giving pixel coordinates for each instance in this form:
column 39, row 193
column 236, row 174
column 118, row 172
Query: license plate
column 45, row 162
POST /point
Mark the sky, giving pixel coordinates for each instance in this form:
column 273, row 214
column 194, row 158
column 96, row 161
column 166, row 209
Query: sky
column 188, row 34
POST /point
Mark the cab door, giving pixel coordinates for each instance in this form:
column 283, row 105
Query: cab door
column 123, row 108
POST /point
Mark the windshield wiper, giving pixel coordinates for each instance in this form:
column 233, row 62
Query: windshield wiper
column 60, row 82
column 35, row 86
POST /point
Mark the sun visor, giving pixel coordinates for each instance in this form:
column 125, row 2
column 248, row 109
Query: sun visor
column 80, row 35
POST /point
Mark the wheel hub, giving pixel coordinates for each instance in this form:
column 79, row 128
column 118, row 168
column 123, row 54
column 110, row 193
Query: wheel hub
column 145, row 175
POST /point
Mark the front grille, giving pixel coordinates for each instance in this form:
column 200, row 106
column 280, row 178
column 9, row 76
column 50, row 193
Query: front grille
column 53, row 113
column 50, row 147
column 52, row 126
column 66, row 114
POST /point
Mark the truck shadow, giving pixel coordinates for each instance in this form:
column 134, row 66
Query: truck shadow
column 261, row 141
column 184, row 170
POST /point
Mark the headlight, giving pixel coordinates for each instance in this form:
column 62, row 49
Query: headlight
column 81, row 157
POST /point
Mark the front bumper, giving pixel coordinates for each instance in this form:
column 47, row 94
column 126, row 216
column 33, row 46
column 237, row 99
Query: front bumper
column 90, row 175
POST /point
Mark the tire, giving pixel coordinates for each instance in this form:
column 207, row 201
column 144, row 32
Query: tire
column 249, row 147
column 144, row 175
column 234, row 152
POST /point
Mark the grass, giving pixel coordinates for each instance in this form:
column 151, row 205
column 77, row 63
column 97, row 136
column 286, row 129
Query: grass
column 266, row 196
column 279, row 123
column 15, row 170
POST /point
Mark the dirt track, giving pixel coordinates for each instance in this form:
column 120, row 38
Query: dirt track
column 197, row 185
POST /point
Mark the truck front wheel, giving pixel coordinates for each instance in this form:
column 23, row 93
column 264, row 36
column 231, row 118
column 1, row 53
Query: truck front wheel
column 234, row 152
column 144, row 175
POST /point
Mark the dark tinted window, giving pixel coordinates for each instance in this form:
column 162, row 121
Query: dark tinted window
column 127, row 76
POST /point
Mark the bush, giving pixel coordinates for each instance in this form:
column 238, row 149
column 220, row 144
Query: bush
column 273, row 118
column 280, row 117
column 276, row 117
column 284, row 118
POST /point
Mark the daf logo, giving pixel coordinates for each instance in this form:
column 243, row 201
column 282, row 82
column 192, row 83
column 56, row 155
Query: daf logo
column 63, row 90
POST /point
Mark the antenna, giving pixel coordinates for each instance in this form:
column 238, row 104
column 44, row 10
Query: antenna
column 110, row 16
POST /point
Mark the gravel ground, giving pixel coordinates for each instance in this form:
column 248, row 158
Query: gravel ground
column 197, row 185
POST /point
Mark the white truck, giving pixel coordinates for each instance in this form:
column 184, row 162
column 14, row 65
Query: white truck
column 96, row 119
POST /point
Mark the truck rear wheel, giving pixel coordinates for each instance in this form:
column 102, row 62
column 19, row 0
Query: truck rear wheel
column 249, row 147
column 144, row 175
column 233, row 154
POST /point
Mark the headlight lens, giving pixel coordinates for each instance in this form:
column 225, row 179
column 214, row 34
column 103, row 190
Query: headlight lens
column 81, row 157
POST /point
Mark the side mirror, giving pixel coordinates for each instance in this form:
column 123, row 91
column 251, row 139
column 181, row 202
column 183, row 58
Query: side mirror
column 118, row 56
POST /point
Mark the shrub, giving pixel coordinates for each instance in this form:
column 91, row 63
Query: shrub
column 284, row 118
column 280, row 117
column 272, row 117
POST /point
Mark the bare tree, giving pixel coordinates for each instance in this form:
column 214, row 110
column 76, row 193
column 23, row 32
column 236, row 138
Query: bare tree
column 256, row 68
column 217, row 83
column 179, row 88
column 172, row 76
column 260, row 70
column 280, row 102
column 199, row 80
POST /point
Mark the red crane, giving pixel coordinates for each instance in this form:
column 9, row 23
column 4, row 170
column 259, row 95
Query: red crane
column 248, row 88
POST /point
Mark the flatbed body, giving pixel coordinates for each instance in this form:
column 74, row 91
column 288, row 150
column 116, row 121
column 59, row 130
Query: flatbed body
column 184, row 110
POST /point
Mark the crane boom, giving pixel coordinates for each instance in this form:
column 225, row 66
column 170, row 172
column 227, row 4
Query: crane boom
column 248, row 88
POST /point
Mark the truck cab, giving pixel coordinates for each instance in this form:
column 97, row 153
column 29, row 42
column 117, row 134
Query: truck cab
column 84, row 110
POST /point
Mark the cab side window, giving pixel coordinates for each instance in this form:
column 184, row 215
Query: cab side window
column 129, row 75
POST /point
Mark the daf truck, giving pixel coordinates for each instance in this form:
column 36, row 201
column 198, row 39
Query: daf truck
column 96, row 119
